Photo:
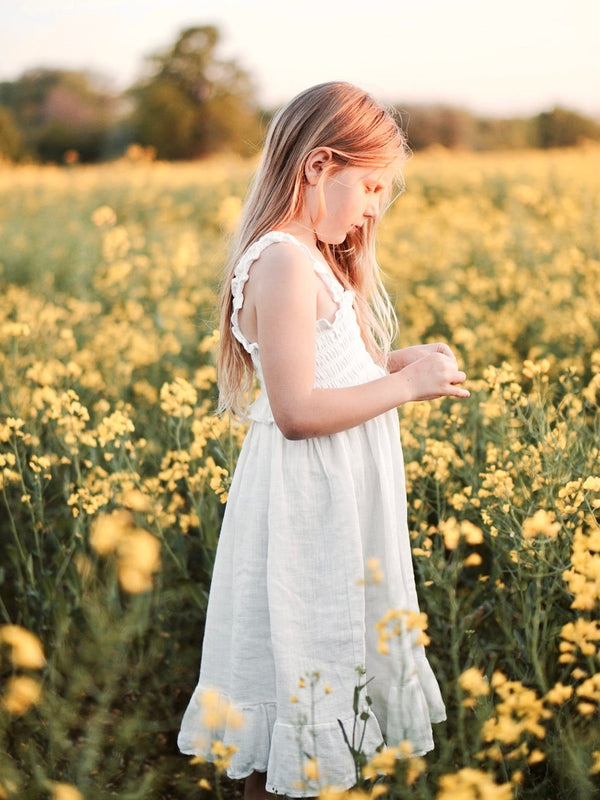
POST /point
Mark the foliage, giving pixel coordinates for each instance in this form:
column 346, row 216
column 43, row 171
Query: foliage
column 194, row 103
column 59, row 110
column 457, row 128
column 10, row 137
column 562, row 127
column 113, row 472
column 191, row 103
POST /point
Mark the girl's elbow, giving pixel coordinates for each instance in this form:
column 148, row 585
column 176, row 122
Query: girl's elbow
column 293, row 426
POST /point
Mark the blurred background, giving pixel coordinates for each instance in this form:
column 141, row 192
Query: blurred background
column 84, row 80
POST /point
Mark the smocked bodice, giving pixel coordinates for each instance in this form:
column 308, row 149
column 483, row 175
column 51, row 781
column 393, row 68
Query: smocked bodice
column 341, row 358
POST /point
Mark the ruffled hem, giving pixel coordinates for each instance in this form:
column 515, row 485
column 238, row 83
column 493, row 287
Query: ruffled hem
column 281, row 749
column 407, row 709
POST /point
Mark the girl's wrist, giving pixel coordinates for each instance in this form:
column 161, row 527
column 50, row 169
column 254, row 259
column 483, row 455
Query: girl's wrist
column 404, row 389
column 395, row 361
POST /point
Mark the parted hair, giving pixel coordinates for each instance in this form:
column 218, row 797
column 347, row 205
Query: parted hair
column 359, row 132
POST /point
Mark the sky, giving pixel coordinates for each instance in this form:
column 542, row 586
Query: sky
column 497, row 57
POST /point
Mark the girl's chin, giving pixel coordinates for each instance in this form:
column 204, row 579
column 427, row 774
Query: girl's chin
column 333, row 239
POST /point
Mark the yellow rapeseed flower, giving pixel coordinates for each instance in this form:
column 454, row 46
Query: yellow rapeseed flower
column 139, row 549
column 472, row 784
column 311, row 769
column 559, row 694
column 383, row 763
column 541, row 524
column 108, row 529
column 473, row 682
column 104, row 215
column 26, row 651
column 65, row 791
column 222, row 754
column 536, row 756
column 217, row 711
column 179, row 398
column 592, row 484
column 22, row 692
column 416, row 766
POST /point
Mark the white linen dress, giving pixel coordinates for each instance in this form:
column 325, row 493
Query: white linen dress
column 290, row 592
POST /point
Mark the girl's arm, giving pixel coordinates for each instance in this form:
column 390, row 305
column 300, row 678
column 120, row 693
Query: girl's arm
column 283, row 294
column 398, row 359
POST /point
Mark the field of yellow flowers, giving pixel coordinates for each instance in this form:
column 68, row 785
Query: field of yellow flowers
column 114, row 472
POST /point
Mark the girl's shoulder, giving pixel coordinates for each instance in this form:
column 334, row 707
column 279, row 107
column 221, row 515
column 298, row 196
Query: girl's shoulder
column 275, row 241
column 274, row 250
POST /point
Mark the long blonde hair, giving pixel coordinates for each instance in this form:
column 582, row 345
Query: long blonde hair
column 359, row 132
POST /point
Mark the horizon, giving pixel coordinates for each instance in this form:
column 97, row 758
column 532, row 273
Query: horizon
column 501, row 59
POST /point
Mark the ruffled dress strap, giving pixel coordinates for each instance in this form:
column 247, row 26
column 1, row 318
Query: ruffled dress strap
column 242, row 273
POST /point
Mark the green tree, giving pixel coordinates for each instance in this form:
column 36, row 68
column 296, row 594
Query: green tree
column 11, row 146
column 564, row 128
column 194, row 103
column 59, row 110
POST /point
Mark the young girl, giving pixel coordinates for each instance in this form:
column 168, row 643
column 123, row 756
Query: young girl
column 319, row 486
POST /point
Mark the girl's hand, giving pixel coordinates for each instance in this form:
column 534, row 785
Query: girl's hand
column 434, row 374
column 398, row 359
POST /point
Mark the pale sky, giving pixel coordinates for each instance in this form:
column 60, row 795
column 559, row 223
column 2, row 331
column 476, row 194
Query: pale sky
column 490, row 56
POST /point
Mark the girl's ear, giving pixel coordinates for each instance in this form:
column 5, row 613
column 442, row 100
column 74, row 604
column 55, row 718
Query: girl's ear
column 315, row 164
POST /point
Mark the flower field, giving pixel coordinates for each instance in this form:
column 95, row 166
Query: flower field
column 114, row 473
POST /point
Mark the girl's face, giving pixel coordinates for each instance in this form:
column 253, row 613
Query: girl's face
column 349, row 198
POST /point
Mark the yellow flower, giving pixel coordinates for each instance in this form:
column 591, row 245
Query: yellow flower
column 536, row 756
column 65, row 791
column 559, row 694
column 204, row 784
column 383, row 763
column 375, row 572
column 472, row 784
column 416, row 766
column 222, row 754
column 333, row 793
column 136, row 500
column 108, row 529
column 179, row 398
column 22, row 692
column 586, row 709
column 450, row 530
column 218, row 712
column 541, row 524
column 26, row 649
column 140, row 550
column 311, row 769
column 473, row 682
column 592, row 484
column 595, row 769
column 104, row 215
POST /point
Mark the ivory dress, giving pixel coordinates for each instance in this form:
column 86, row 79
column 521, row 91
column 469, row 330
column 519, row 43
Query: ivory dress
column 290, row 592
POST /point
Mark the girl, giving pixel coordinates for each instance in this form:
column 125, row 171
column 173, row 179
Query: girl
column 319, row 487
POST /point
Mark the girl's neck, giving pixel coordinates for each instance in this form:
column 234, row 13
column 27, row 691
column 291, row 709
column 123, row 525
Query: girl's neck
column 304, row 233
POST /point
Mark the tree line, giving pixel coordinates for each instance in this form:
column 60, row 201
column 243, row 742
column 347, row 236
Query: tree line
column 191, row 103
